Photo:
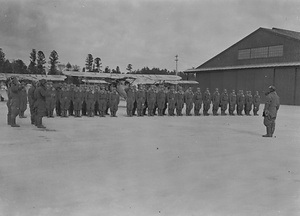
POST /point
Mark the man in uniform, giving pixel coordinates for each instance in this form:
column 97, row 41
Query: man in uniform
column 130, row 99
column 240, row 102
column 50, row 100
column 134, row 103
column 232, row 102
column 216, row 101
column 96, row 110
column 171, row 101
column 140, row 100
column 8, row 85
column 151, row 100
column 84, row 94
column 31, row 100
column 71, row 105
column 224, row 102
column 23, row 100
column 90, row 102
column 206, row 102
column 161, row 100
column 248, row 103
column 270, row 111
column 197, row 101
column 108, row 91
column 77, row 99
column 102, row 99
column 179, row 101
column 256, row 103
column 188, row 99
column 40, row 94
column 58, row 99
column 114, row 100
column 64, row 101
column 14, row 94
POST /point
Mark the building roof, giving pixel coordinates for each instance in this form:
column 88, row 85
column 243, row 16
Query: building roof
column 287, row 33
column 281, row 32
column 239, row 67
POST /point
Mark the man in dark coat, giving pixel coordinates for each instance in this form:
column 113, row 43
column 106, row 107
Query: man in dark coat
column 31, row 100
column 240, row 100
column 179, row 101
column 197, row 102
column 232, row 102
column 206, row 102
column 151, row 100
column 216, row 101
column 130, row 99
column 224, row 102
column 140, row 100
column 256, row 103
column 161, row 100
column 171, row 98
column 14, row 94
column 188, row 99
column 102, row 99
column 40, row 94
column 270, row 111
column 23, row 100
column 114, row 100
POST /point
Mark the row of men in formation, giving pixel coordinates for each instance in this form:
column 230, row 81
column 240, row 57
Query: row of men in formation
column 67, row 99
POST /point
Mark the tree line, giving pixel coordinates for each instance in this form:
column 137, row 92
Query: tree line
column 38, row 61
column 36, row 65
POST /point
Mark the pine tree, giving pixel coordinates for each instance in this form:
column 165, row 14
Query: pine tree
column 41, row 60
column 89, row 63
column 53, row 62
column 32, row 65
column 2, row 60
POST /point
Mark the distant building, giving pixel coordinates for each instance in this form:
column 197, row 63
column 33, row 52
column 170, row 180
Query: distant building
column 263, row 58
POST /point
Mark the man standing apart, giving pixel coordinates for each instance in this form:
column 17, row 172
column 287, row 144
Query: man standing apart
column 270, row 111
column 41, row 103
column 23, row 100
column 15, row 91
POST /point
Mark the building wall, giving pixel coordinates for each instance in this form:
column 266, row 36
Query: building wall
column 286, row 80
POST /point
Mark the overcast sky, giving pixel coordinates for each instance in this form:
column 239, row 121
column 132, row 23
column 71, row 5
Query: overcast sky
column 141, row 32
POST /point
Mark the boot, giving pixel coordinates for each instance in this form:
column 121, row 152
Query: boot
column 8, row 120
column 32, row 119
column 40, row 125
column 269, row 132
column 272, row 129
column 13, row 122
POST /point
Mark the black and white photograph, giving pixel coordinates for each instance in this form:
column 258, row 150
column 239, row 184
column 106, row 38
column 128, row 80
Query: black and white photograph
column 149, row 108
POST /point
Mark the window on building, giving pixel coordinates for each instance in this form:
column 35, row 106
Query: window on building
column 261, row 52
column 275, row 51
column 244, row 54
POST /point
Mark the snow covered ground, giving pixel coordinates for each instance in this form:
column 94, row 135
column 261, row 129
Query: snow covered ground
column 151, row 166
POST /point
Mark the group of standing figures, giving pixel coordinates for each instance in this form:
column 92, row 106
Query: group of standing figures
column 67, row 100
column 161, row 98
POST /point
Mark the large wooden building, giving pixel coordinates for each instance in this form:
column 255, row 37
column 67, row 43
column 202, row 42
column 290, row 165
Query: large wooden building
column 263, row 58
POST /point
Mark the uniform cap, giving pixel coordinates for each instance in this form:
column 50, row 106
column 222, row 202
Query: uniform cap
column 272, row 88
